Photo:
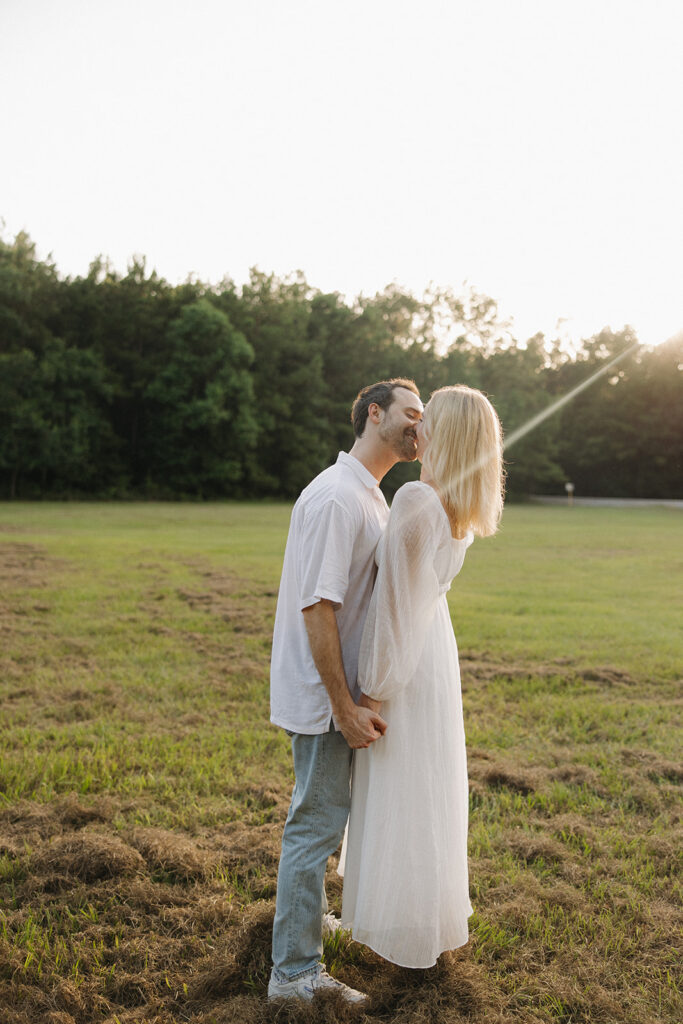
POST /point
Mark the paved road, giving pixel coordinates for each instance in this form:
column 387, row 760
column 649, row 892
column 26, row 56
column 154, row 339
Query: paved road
column 553, row 499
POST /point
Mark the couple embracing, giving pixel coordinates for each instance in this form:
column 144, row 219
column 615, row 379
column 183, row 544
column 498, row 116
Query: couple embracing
column 365, row 675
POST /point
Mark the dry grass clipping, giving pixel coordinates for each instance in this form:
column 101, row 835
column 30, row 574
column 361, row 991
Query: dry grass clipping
column 170, row 852
column 88, row 856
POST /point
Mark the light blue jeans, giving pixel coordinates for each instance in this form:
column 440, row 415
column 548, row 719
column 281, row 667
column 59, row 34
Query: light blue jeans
column 313, row 830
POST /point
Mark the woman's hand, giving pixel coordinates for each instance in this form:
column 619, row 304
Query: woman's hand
column 368, row 702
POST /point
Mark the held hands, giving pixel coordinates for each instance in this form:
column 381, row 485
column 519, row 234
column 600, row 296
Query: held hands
column 362, row 725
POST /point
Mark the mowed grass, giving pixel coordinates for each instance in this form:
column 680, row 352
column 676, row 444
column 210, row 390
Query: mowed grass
column 143, row 791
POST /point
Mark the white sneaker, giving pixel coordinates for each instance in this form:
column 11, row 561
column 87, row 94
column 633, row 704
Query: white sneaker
column 306, row 987
column 331, row 925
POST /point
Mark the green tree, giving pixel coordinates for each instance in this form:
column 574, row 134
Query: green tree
column 126, row 319
column 54, row 432
column 200, row 419
column 22, row 428
column 29, row 296
column 79, row 449
column 517, row 382
column 622, row 435
column 289, row 388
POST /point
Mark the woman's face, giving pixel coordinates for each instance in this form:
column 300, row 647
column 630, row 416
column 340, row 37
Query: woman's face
column 422, row 430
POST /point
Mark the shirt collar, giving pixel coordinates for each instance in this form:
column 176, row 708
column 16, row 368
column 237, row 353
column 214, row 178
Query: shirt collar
column 363, row 474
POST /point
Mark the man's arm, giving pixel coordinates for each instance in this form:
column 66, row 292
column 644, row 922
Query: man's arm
column 360, row 726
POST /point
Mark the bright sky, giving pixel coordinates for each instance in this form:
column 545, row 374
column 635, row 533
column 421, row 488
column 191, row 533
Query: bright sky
column 533, row 148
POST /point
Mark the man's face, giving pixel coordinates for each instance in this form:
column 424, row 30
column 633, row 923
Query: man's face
column 398, row 424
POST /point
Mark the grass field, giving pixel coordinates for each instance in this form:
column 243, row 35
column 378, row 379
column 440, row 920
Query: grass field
column 142, row 790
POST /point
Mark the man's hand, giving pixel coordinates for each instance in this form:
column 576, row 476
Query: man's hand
column 361, row 726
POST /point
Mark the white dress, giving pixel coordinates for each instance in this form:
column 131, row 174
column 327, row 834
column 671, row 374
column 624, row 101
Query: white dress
column 405, row 853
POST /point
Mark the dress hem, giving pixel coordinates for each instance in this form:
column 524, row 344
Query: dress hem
column 415, row 967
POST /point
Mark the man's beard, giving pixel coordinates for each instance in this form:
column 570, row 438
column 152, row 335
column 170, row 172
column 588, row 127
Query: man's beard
column 403, row 443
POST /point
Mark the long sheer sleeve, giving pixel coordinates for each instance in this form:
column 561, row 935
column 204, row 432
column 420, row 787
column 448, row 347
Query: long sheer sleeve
column 405, row 596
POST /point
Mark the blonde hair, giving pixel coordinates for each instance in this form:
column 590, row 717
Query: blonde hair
column 464, row 458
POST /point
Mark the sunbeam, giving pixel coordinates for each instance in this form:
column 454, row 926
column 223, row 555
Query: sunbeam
column 540, row 417
column 559, row 403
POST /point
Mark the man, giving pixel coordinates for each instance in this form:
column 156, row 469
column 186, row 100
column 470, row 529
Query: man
column 327, row 580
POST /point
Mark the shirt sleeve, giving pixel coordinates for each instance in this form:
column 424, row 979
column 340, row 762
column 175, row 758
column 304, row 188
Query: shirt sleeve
column 327, row 543
column 405, row 596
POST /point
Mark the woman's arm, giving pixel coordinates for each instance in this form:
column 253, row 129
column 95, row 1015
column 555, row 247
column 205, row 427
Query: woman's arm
column 405, row 596
column 368, row 702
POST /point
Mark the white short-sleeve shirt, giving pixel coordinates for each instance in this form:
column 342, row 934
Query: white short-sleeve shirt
column 330, row 553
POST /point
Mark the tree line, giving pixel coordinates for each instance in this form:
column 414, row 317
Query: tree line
column 117, row 386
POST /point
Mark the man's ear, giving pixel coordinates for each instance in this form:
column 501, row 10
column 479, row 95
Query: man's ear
column 374, row 412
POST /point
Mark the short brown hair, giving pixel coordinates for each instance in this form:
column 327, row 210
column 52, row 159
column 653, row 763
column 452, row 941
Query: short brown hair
column 381, row 394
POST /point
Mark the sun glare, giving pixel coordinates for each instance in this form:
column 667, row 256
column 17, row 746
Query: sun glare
column 655, row 334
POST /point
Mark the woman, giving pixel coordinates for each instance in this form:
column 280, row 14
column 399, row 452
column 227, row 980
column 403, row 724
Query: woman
column 405, row 858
